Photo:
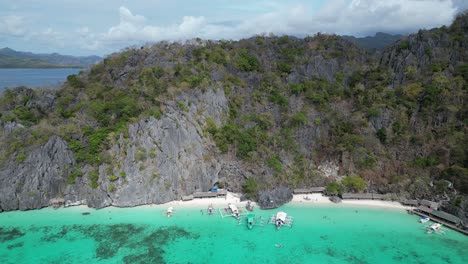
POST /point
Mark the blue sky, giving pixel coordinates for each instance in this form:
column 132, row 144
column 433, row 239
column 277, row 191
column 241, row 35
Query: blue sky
column 83, row 27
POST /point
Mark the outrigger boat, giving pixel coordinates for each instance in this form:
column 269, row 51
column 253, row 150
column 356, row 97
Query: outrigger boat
column 249, row 206
column 281, row 219
column 424, row 219
column 209, row 211
column 250, row 221
column 435, row 228
column 169, row 211
column 234, row 211
column 254, row 221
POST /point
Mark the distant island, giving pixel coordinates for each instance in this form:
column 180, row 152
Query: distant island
column 377, row 42
column 10, row 58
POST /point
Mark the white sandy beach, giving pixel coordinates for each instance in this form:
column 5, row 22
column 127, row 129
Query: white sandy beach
column 205, row 202
column 317, row 198
column 313, row 199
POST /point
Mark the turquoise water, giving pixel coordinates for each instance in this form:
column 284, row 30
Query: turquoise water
column 339, row 234
column 33, row 77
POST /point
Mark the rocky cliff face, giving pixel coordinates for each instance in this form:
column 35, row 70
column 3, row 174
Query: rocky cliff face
column 39, row 178
column 150, row 125
column 161, row 159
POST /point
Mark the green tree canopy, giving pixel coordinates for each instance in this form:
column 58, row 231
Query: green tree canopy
column 354, row 183
column 334, row 188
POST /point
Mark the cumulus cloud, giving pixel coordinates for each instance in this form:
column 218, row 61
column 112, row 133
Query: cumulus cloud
column 12, row 26
column 87, row 40
column 360, row 17
column 298, row 17
column 134, row 28
column 357, row 17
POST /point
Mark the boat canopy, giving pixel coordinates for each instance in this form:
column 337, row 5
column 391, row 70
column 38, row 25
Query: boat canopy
column 169, row 210
column 281, row 216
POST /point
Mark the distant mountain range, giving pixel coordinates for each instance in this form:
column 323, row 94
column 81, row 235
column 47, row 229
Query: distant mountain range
column 10, row 58
column 377, row 42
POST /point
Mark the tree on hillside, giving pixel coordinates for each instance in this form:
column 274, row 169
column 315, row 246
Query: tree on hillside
column 333, row 188
column 354, row 183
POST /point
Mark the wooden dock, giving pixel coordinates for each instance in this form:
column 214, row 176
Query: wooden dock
column 438, row 220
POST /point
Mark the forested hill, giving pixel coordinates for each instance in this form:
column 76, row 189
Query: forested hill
column 149, row 125
column 10, row 58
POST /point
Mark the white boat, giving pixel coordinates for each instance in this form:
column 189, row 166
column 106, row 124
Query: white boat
column 280, row 219
column 424, row 219
column 170, row 211
column 434, row 228
column 234, row 211
column 210, row 210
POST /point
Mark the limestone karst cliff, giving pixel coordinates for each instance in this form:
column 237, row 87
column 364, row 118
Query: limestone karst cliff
column 150, row 124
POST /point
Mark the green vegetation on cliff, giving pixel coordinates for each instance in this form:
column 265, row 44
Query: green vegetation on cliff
column 394, row 123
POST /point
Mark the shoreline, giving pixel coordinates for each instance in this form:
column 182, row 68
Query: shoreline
column 319, row 199
column 315, row 199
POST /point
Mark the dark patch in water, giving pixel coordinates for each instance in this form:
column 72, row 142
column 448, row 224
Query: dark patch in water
column 446, row 259
column 9, row 234
column 53, row 237
column 331, row 252
column 250, row 246
column 414, row 255
column 324, row 237
column 355, row 259
column 16, row 245
column 111, row 238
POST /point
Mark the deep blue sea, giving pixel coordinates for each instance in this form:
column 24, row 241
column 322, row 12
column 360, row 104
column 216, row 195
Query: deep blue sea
column 10, row 78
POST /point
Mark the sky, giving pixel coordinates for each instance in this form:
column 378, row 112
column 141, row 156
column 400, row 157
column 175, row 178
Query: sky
column 100, row 27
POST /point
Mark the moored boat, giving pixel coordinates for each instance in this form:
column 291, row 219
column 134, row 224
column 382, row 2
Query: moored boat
column 250, row 220
column 435, row 228
column 424, row 219
column 280, row 219
column 170, row 211
column 234, row 211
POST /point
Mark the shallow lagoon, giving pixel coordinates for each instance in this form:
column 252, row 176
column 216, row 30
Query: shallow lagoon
column 320, row 234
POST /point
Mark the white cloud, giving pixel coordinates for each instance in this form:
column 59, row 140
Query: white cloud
column 12, row 26
column 357, row 17
column 49, row 36
column 87, row 39
column 365, row 16
column 239, row 20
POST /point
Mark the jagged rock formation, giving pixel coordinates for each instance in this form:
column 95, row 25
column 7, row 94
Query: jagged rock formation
column 162, row 159
column 152, row 124
column 38, row 179
column 274, row 198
